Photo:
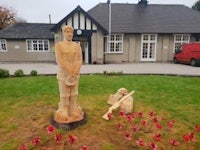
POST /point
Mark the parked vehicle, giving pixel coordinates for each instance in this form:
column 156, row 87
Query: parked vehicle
column 188, row 53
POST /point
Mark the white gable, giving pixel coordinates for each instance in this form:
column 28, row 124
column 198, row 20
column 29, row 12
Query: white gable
column 80, row 21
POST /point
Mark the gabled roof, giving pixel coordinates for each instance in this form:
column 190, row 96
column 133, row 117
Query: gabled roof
column 28, row 31
column 78, row 9
column 138, row 18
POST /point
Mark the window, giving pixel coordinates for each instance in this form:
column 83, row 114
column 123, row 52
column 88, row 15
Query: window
column 180, row 39
column 148, row 49
column 115, row 44
column 3, row 45
column 37, row 45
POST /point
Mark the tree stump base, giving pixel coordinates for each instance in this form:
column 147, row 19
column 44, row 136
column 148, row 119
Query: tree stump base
column 69, row 126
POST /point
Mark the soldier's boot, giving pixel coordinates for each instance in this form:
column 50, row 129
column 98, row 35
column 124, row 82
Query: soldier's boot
column 62, row 114
column 74, row 109
column 64, row 105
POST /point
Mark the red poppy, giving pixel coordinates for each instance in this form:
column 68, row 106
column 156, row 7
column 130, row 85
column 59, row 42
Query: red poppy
column 163, row 118
column 157, row 137
column 186, row 138
column 158, row 125
column 119, row 126
column 135, row 128
column 110, row 116
column 121, row 114
column 23, row 147
column 58, row 138
column 189, row 137
column 140, row 142
column 84, row 148
column 140, row 114
column 143, row 122
column 153, row 146
column 71, row 139
column 36, row 141
column 197, row 128
column 174, row 142
column 192, row 137
column 50, row 129
column 170, row 124
column 129, row 117
column 127, row 135
column 155, row 119
column 152, row 114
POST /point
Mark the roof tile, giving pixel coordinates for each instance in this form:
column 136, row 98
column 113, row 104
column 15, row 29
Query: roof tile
column 28, row 31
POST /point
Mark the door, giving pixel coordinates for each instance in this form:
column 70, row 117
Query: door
column 86, row 54
column 148, row 47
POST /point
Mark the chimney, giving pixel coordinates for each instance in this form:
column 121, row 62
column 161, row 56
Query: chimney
column 143, row 2
column 50, row 18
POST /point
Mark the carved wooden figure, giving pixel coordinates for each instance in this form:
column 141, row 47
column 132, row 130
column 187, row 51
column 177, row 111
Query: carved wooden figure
column 69, row 59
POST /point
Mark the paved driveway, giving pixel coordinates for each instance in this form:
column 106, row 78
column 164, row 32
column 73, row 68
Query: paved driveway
column 131, row 68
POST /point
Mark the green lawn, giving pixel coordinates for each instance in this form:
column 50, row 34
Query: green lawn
column 27, row 103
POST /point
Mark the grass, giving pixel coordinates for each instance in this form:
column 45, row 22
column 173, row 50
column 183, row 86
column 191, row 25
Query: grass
column 27, row 104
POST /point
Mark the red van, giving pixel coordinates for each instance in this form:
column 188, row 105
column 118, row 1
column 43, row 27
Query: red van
column 188, row 53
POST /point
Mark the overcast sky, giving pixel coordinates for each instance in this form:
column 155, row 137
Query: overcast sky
column 37, row 11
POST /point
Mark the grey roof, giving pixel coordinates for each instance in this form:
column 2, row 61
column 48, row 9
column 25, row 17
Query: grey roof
column 28, row 31
column 152, row 18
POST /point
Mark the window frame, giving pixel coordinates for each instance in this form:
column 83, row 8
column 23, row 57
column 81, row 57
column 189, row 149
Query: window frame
column 37, row 45
column 117, row 44
column 181, row 41
column 3, row 45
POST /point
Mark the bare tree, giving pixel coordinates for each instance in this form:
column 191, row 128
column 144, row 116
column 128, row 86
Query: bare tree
column 7, row 17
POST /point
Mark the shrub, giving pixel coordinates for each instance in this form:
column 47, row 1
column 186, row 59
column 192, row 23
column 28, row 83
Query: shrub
column 113, row 73
column 4, row 73
column 19, row 73
column 33, row 73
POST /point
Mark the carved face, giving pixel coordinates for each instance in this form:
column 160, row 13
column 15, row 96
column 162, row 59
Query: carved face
column 68, row 34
